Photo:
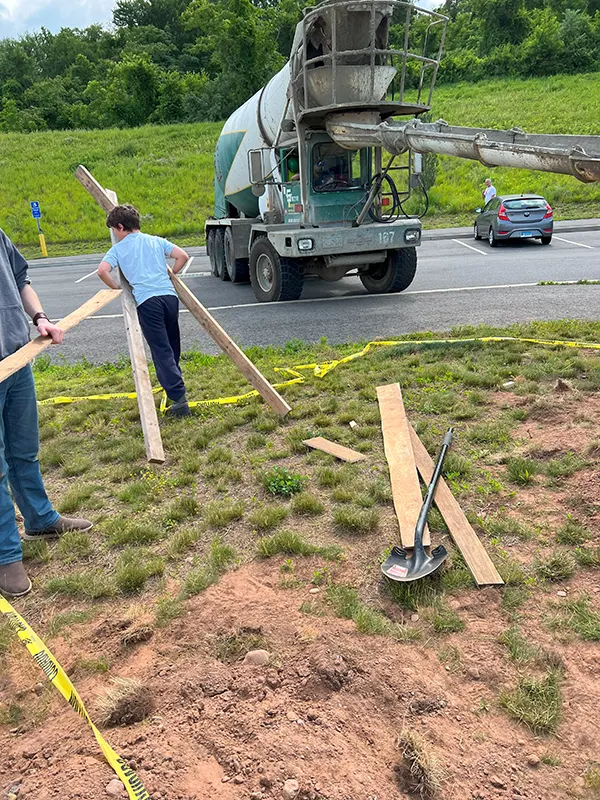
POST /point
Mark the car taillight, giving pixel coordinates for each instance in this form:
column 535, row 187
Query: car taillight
column 502, row 213
column 548, row 211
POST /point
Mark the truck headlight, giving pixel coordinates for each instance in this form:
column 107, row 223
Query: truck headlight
column 412, row 235
column 305, row 244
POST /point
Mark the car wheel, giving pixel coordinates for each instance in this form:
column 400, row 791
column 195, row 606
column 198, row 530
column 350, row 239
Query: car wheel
column 237, row 268
column 274, row 278
column 546, row 239
column 492, row 238
column 219, row 255
column 476, row 235
column 394, row 275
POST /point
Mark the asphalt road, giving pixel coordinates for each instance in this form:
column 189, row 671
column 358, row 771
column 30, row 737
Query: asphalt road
column 458, row 282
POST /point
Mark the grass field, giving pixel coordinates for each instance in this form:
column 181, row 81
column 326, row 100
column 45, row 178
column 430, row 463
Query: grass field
column 167, row 171
column 239, row 491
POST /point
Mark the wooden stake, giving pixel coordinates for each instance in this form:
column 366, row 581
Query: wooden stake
column 139, row 364
column 15, row 362
column 229, row 347
column 334, row 449
column 406, row 490
column 465, row 538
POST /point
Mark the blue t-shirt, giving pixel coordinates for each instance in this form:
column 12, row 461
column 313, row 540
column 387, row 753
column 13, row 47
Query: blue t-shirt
column 141, row 259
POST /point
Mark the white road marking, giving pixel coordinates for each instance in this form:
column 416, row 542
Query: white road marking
column 341, row 297
column 578, row 244
column 89, row 275
column 187, row 265
column 464, row 244
column 197, row 275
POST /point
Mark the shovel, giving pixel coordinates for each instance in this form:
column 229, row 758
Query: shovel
column 398, row 566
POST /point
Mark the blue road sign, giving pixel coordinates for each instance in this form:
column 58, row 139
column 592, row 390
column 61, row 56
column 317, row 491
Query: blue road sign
column 36, row 211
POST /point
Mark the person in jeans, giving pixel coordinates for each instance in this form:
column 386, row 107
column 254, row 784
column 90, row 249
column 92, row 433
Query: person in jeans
column 19, row 434
column 142, row 260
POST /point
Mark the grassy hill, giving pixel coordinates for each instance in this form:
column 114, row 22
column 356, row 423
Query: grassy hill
column 167, row 170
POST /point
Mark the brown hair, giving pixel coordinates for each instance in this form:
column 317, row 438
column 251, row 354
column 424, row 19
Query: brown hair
column 125, row 215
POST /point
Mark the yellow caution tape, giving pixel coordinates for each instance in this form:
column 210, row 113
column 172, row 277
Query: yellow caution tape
column 56, row 674
column 320, row 370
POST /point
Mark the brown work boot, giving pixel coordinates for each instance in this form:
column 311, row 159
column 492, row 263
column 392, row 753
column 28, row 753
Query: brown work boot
column 62, row 525
column 13, row 580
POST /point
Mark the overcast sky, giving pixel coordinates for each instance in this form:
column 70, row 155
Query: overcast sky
column 22, row 16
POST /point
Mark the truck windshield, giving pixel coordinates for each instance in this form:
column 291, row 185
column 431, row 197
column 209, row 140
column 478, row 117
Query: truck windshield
column 334, row 168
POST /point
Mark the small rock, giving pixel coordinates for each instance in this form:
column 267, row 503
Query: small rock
column 497, row 783
column 11, row 796
column 238, row 779
column 312, row 715
column 521, row 742
column 316, row 590
column 533, row 760
column 290, row 789
column 292, row 716
column 273, row 680
column 561, row 593
column 508, row 384
column 474, row 674
column 266, row 781
column 29, row 752
column 353, row 424
column 115, row 788
column 39, row 688
column 256, row 796
column 257, row 658
column 414, row 617
column 562, row 386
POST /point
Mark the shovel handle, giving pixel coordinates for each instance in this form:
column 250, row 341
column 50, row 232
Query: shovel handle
column 431, row 490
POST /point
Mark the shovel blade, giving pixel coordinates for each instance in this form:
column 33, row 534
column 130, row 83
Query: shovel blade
column 397, row 567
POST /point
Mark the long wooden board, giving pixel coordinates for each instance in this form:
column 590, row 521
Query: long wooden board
column 334, row 449
column 229, row 347
column 406, row 490
column 139, row 363
column 465, row 538
column 15, row 362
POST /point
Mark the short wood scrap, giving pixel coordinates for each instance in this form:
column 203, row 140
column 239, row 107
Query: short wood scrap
column 229, row 347
column 482, row 568
column 334, row 449
column 406, row 490
column 18, row 360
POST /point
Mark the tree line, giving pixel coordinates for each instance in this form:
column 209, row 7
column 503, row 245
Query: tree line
column 166, row 61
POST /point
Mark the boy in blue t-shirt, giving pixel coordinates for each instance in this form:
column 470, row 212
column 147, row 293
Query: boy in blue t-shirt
column 142, row 260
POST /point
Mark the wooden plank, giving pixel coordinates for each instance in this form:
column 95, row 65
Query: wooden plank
column 229, row 347
column 139, row 363
column 15, row 362
column 465, row 538
column 87, row 180
column 406, row 490
column 334, row 449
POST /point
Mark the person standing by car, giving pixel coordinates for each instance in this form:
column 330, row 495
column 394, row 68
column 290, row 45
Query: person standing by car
column 489, row 192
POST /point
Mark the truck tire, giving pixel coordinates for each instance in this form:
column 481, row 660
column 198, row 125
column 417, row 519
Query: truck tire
column 220, row 266
column 274, row 278
column 238, row 268
column 394, row 275
column 210, row 250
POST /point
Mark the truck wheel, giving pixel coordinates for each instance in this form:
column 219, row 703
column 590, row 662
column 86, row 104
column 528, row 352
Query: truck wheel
column 210, row 251
column 394, row 275
column 220, row 255
column 274, row 278
column 238, row 268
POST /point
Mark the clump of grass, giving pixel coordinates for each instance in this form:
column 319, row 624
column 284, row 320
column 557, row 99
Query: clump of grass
column 136, row 494
column 90, row 585
column 558, row 566
column 592, row 777
column 184, row 507
column 419, row 773
column 10, row 714
column 255, row 441
column 168, row 609
column 281, row 481
column 577, row 615
column 75, row 498
column 347, row 605
column 181, row 541
column 536, row 702
column 267, row 517
column 291, row 543
column 122, row 531
column 61, row 621
column 91, row 666
column 513, row 597
column 356, row 520
column 75, row 466
column 74, row 545
column 493, row 434
column 565, row 466
column 127, row 701
column 134, row 568
column 503, row 525
column 220, row 557
column 443, row 619
column 220, row 455
column 220, row 513
column 234, row 646
column 511, row 572
column 344, row 599
column 520, row 650
column 521, row 470
column 588, row 556
column 571, row 532
column 36, row 551
column 308, row 505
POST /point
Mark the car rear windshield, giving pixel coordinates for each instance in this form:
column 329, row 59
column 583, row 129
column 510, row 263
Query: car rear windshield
column 525, row 202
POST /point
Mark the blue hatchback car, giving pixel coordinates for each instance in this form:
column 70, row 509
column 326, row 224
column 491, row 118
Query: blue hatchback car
column 514, row 216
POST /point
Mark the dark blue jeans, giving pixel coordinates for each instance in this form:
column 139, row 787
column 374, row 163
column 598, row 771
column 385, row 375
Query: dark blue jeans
column 19, row 465
column 159, row 320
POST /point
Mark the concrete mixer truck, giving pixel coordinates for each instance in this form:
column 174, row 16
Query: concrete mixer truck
column 313, row 173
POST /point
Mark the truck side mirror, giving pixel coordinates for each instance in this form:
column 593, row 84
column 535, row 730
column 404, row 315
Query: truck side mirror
column 257, row 174
column 478, row 211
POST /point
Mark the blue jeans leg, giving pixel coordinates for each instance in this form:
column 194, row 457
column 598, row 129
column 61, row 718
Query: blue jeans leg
column 21, row 446
column 10, row 541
